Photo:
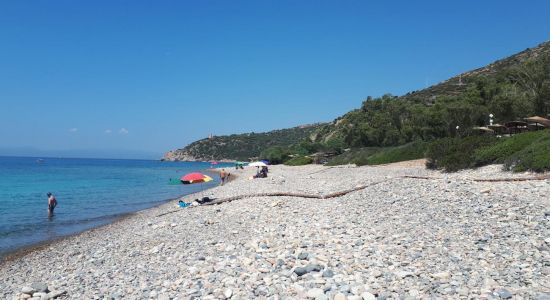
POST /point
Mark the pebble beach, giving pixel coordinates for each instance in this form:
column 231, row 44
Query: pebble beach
column 438, row 236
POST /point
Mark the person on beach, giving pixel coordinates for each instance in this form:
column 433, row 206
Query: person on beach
column 52, row 203
column 222, row 176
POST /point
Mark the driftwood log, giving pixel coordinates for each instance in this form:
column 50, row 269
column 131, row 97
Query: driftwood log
column 283, row 194
column 541, row 177
column 344, row 192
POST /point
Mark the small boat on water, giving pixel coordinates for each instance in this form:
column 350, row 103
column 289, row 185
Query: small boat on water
column 39, row 161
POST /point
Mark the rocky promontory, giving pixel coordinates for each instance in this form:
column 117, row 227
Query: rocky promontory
column 178, row 155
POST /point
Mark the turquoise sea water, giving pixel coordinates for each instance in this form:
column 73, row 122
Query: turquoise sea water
column 90, row 193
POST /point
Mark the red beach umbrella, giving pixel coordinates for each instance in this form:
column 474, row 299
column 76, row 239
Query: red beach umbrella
column 195, row 178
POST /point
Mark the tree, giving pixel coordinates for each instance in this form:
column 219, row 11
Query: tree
column 534, row 78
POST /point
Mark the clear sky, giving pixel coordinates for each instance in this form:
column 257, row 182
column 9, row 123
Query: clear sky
column 150, row 76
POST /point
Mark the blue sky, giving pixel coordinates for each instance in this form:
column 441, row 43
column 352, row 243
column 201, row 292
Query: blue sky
column 149, row 76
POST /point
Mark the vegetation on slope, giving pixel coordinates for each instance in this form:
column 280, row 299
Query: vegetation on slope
column 380, row 155
column 380, row 130
column 528, row 151
column 244, row 146
column 510, row 89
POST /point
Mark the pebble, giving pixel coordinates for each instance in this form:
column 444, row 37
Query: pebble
column 28, row 290
column 368, row 296
column 504, row 294
column 339, row 296
column 228, row 293
column 328, row 273
column 314, row 293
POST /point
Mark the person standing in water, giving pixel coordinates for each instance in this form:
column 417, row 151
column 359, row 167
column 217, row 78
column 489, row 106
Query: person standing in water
column 222, row 176
column 52, row 203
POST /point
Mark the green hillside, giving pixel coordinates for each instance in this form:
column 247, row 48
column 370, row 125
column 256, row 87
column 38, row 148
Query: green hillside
column 392, row 128
column 510, row 89
column 241, row 146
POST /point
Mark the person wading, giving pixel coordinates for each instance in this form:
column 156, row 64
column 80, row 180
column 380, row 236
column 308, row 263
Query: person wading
column 52, row 203
column 223, row 175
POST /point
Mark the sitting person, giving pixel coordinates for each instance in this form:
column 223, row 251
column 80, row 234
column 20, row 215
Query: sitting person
column 204, row 200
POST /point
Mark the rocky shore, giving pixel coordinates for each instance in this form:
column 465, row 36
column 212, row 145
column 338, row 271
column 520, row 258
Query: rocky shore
column 446, row 237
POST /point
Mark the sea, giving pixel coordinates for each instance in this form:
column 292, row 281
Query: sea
column 89, row 192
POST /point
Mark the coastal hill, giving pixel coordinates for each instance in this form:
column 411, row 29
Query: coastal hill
column 240, row 146
column 511, row 88
column 459, row 84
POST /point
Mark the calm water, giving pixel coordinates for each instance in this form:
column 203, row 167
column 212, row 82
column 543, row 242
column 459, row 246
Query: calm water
column 90, row 193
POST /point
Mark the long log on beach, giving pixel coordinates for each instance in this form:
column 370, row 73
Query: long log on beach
column 355, row 189
column 285, row 194
column 542, row 177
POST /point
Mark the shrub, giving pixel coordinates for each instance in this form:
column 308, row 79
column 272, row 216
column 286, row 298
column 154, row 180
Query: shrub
column 409, row 151
column 354, row 156
column 506, row 147
column 453, row 154
column 275, row 155
column 535, row 157
column 298, row 161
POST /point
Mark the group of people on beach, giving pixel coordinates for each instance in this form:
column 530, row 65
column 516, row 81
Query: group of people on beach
column 261, row 173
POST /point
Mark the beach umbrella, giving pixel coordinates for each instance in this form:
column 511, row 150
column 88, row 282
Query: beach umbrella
column 257, row 164
column 484, row 129
column 539, row 120
column 195, row 178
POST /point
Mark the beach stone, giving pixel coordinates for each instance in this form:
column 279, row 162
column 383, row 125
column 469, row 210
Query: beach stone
column 28, row 290
column 25, row 296
column 339, row 296
column 303, row 256
column 39, row 294
column 368, row 296
column 163, row 297
column 228, row 293
column 322, row 297
column 543, row 297
column 300, row 271
column 504, row 294
column 441, row 275
column 404, row 274
column 314, row 293
column 313, row 268
column 328, row 273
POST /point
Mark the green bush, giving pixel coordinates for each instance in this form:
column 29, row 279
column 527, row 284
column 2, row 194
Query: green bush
column 507, row 146
column 409, row 151
column 354, row 156
column 453, row 154
column 535, row 157
column 275, row 155
column 299, row 161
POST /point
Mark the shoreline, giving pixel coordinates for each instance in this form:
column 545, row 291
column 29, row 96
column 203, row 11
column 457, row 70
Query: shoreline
column 382, row 241
column 20, row 252
column 29, row 249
